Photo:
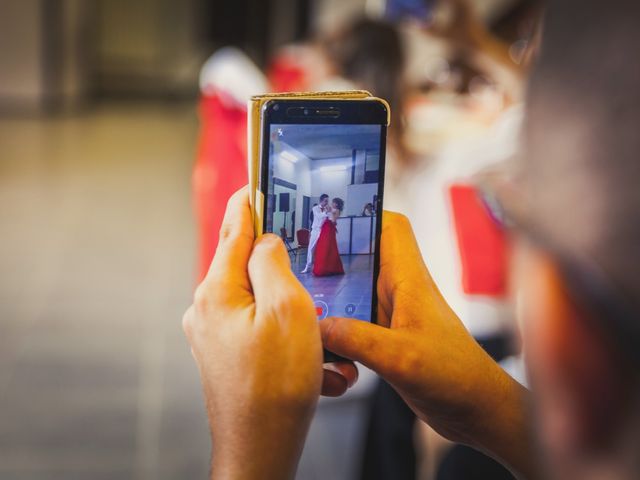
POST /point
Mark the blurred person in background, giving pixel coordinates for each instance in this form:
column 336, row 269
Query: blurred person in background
column 463, row 121
column 577, row 209
column 454, row 228
column 369, row 55
column 364, row 54
column 228, row 79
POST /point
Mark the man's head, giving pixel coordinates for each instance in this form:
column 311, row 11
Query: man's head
column 324, row 200
column 582, row 173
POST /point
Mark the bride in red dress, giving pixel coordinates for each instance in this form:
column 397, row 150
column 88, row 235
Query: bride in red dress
column 327, row 258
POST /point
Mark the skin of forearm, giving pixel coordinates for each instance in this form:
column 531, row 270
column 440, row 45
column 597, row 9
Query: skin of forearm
column 489, row 410
column 503, row 429
column 266, row 449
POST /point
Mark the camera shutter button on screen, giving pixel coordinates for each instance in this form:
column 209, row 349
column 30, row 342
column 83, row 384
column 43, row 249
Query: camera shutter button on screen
column 322, row 309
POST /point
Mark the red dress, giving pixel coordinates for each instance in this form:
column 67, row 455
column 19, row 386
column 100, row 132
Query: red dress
column 220, row 169
column 326, row 257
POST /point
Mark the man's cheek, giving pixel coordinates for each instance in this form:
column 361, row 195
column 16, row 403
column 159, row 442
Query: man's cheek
column 541, row 351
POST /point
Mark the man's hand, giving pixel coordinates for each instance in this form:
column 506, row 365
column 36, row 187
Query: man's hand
column 422, row 349
column 255, row 337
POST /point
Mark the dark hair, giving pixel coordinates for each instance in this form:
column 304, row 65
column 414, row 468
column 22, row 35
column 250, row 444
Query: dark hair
column 323, row 196
column 581, row 138
column 370, row 53
column 339, row 203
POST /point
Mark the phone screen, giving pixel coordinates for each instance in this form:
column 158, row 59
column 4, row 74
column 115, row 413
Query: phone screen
column 323, row 197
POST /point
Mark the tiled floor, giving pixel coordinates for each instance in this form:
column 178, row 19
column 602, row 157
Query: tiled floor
column 96, row 268
column 347, row 295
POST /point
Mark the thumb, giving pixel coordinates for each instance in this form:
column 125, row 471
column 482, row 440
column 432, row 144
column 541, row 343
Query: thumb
column 372, row 345
column 274, row 285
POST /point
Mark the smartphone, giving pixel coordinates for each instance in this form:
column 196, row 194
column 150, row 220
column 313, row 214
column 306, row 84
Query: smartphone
column 322, row 179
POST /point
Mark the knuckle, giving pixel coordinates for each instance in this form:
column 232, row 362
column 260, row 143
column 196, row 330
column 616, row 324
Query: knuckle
column 290, row 303
column 299, row 297
column 214, row 298
column 202, row 300
column 187, row 326
column 268, row 248
column 400, row 220
column 227, row 233
column 271, row 238
column 269, row 243
column 238, row 196
column 332, row 331
column 219, row 279
column 408, row 360
column 230, row 233
column 282, row 304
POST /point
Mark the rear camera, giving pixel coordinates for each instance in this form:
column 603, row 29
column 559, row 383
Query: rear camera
column 276, row 107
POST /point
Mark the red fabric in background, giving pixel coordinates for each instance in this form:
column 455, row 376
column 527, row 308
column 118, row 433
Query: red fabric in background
column 221, row 162
column 481, row 242
column 220, row 169
column 286, row 75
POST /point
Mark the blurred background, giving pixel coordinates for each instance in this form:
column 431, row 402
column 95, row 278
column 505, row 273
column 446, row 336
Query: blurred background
column 122, row 134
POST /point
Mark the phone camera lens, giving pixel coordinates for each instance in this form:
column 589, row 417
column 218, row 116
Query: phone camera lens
column 306, row 111
column 276, row 107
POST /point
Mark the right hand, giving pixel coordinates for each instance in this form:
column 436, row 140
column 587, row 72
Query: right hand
column 423, row 350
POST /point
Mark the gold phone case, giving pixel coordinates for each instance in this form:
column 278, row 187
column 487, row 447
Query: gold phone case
column 254, row 132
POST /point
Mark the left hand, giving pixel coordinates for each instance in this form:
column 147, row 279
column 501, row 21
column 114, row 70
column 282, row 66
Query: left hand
column 255, row 338
column 424, row 352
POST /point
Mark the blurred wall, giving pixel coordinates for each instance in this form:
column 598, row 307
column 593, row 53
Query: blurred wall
column 58, row 53
column 43, row 53
column 21, row 66
column 149, row 47
column 69, row 31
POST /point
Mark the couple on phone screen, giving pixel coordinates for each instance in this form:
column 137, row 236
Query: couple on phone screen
column 323, row 257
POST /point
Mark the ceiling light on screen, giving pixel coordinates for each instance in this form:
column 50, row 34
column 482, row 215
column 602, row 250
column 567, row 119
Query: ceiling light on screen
column 287, row 155
column 332, row 168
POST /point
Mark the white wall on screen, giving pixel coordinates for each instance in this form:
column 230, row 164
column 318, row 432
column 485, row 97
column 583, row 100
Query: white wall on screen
column 297, row 172
column 332, row 182
column 358, row 196
column 361, row 157
column 315, row 177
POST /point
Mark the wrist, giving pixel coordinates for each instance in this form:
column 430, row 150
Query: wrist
column 257, row 446
column 502, row 429
column 277, row 458
column 246, row 467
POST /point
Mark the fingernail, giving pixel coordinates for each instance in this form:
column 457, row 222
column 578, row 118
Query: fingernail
column 355, row 379
column 333, row 368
